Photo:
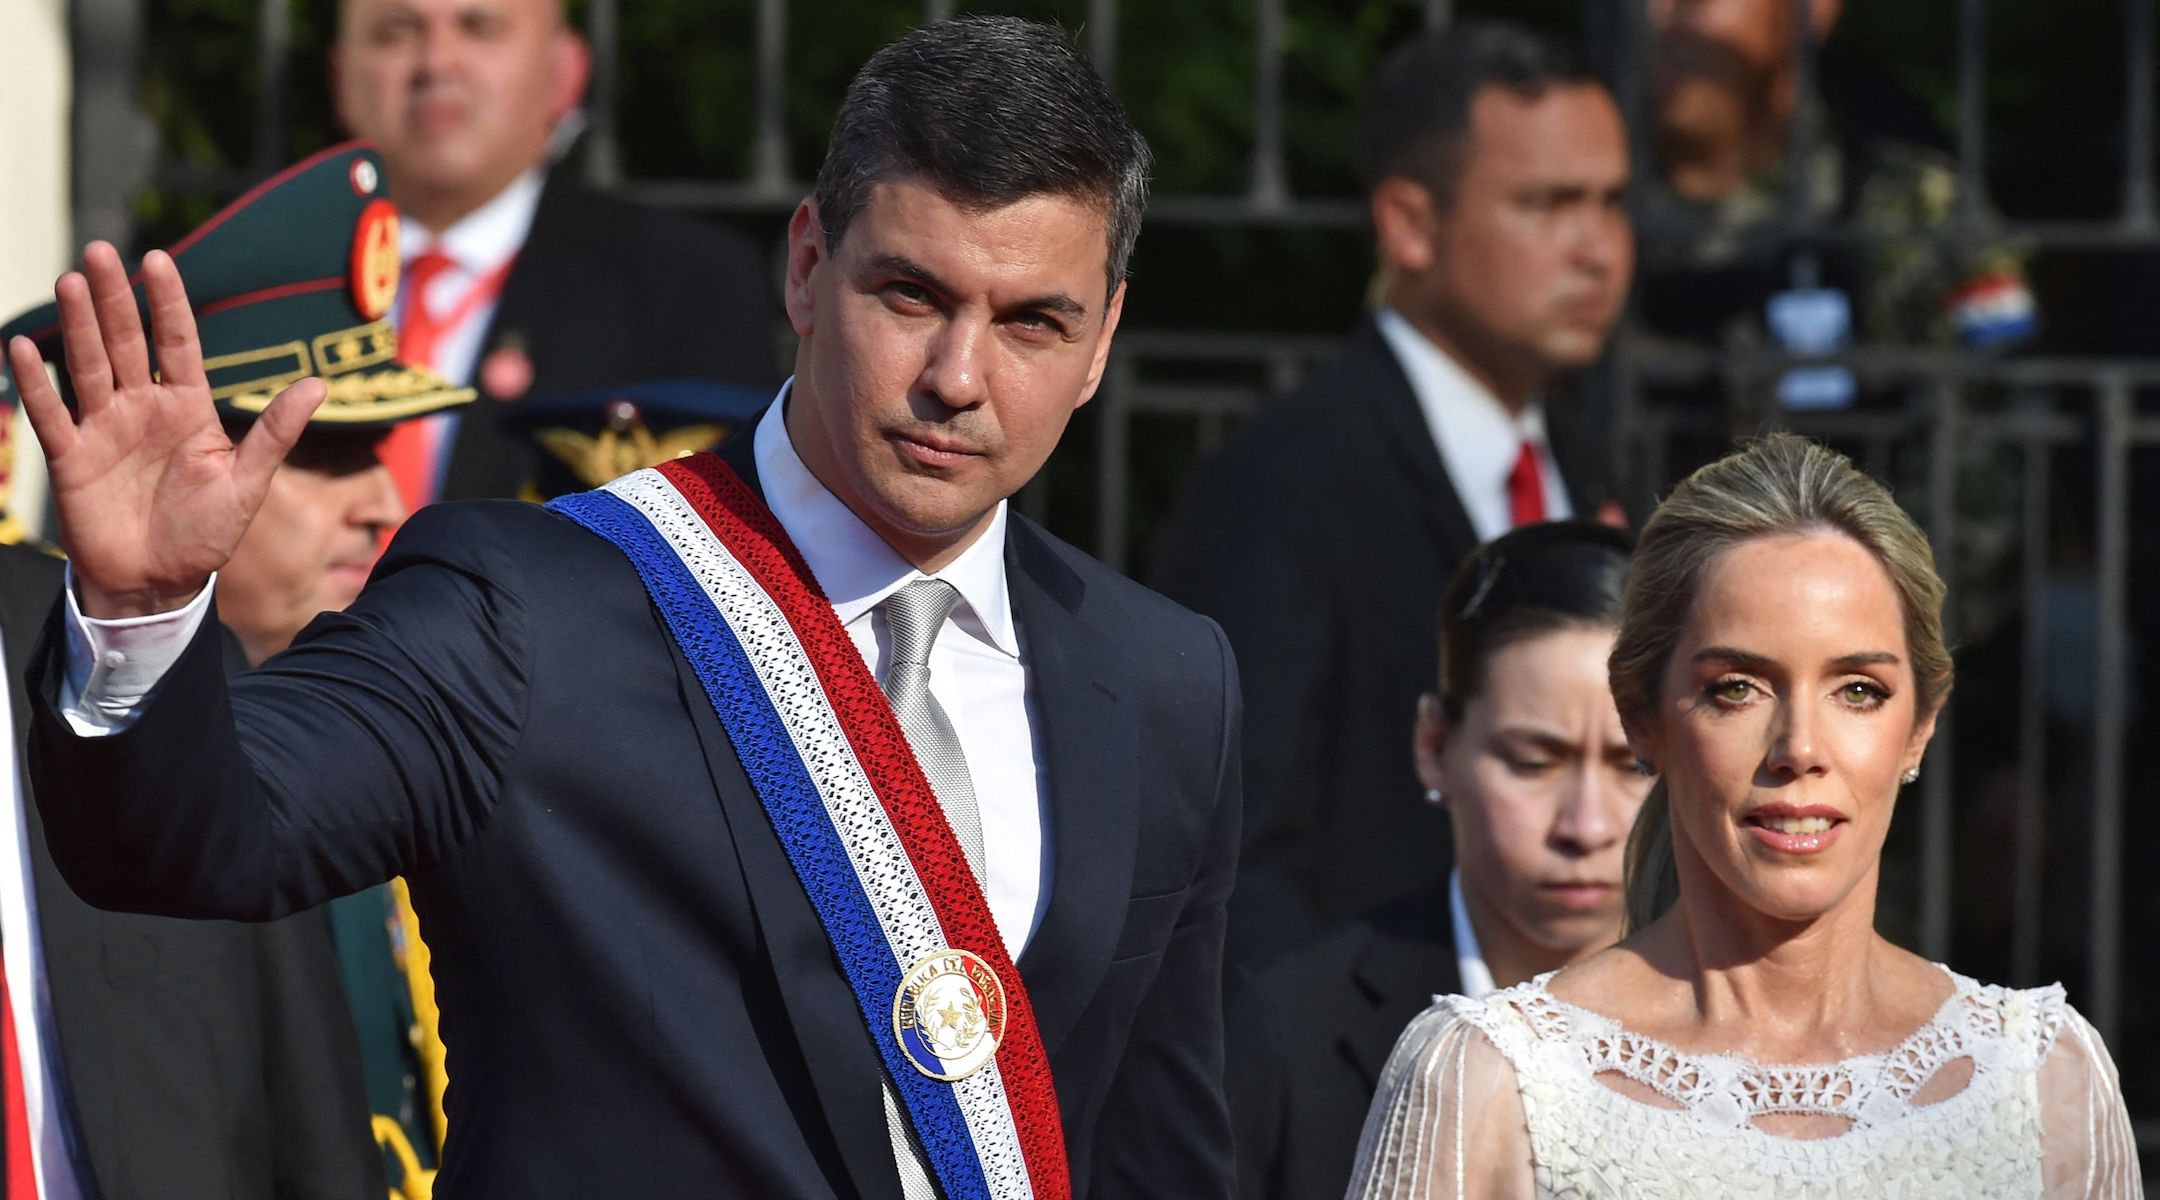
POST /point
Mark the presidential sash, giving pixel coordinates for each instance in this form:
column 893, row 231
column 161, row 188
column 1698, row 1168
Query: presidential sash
column 858, row 819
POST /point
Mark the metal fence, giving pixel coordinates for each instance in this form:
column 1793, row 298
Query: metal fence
column 2038, row 425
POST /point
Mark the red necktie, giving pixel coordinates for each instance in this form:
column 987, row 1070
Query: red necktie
column 410, row 449
column 21, row 1171
column 1526, row 488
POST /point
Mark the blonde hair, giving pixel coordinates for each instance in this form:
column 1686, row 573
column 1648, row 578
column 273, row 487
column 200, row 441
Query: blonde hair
column 1781, row 485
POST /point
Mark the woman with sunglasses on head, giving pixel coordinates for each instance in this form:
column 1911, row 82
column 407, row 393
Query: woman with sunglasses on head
column 1779, row 666
column 1522, row 745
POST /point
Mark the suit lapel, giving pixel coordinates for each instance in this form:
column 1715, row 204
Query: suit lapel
column 820, row 1003
column 1586, row 473
column 1408, row 440
column 1088, row 744
column 486, row 458
column 1408, row 958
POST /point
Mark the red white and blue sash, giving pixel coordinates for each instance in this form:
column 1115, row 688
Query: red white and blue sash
column 858, row 819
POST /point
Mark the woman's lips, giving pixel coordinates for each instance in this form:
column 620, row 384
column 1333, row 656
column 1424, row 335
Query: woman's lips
column 1794, row 833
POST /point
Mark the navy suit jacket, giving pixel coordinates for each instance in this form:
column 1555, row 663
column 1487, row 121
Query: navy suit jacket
column 637, row 997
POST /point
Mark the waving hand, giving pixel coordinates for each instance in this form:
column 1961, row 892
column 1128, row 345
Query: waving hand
column 151, row 495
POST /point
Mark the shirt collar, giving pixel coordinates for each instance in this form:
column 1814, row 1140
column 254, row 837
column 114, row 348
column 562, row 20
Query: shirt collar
column 854, row 565
column 1479, row 438
column 1472, row 974
column 486, row 237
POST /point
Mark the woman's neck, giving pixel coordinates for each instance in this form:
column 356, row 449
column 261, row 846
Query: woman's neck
column 1801, row 990
column 1512, row 958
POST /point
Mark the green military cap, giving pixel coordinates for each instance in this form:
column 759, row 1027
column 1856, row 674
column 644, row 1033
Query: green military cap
column 293, row 279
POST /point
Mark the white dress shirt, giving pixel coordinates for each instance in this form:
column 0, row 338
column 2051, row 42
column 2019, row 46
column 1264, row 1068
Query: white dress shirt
column 976, row 671
column 1472, row 974
column 477, row 243
column 36, row 1038
column 1479, row 439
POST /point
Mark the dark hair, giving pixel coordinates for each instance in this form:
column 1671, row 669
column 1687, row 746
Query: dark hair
column 1522, row 584
column 988, row 111
column 1417, row 115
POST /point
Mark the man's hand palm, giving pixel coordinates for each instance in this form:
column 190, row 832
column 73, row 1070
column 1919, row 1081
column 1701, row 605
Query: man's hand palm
column 151, row 495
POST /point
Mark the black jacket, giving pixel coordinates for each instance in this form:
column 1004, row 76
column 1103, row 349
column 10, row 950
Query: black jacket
column 207, row 1060
column 606, row 292
column 1321, row 537
column 637, row 996
column 1309, row 1033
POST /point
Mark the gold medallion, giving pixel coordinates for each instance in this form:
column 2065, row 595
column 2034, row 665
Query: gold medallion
column 949, row 1014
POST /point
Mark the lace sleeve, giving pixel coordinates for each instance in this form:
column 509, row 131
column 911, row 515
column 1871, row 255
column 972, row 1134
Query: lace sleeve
column 1447, row 1123
column 2087, row 1151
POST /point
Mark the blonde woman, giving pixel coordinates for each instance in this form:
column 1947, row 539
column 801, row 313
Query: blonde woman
column 1779, row 665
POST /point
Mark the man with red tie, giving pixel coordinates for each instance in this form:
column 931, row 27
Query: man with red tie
column 518, row 279
column 1322, row 533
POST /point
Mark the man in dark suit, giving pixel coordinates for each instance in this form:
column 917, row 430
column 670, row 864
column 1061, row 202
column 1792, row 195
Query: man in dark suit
column 639, row 994
column 520, row 280
column 1322, row 533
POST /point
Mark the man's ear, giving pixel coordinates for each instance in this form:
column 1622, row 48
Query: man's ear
column 1822, row 18
column 805, row 252
column 573, row 71
column 1405, row 217
column 1111, row 315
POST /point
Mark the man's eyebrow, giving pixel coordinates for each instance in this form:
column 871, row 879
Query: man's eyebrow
column 900, row 264
column 1055, row 302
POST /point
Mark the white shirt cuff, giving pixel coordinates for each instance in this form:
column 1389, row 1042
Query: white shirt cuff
column 114, row 665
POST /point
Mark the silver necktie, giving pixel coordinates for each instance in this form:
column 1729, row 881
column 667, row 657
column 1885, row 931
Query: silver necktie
column 914, row 615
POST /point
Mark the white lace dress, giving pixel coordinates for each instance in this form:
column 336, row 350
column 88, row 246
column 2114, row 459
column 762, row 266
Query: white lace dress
column 1503, row 1097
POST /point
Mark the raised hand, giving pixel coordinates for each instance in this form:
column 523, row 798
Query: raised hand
column 151, row 495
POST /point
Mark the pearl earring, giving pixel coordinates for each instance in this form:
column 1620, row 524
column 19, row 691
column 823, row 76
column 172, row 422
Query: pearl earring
column 1912, row 776
column 1433, row 797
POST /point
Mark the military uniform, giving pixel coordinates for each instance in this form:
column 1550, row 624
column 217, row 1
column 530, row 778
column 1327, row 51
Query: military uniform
column 1711, row 270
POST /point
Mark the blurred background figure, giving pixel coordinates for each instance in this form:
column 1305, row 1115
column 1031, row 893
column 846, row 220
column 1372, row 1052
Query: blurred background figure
column 1322, row 533
column 1756, row 161
column 519, row 279
column 1522, row 747
column 165, row 1058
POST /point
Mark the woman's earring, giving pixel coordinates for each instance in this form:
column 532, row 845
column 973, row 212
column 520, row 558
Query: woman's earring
column 1643, row 768
column 1434, row 798
column 1912, row 776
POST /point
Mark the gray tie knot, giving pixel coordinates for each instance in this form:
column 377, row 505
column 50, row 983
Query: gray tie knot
column 915, row 613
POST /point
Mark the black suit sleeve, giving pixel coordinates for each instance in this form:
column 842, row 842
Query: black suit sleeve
column 1233, row 553
column 374, row 746
column 1165, row 1113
